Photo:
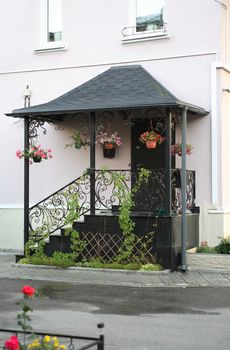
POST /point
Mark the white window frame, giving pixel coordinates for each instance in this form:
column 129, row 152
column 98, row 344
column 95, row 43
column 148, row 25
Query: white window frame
column 130, row 34
column 44, row 43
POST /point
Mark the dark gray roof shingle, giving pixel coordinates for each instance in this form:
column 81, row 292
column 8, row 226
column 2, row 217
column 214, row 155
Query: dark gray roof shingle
column 120, row 87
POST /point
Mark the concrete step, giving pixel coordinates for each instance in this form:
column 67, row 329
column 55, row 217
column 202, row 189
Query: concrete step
column 199, row 261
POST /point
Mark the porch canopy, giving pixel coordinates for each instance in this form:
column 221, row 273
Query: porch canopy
column 122, row 87
column 118, row 88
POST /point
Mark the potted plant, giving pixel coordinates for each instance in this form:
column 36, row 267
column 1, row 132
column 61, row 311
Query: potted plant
column 151, row 139
column 78, row 141
column 177, row 149
column 109, row 143
column 35, row 153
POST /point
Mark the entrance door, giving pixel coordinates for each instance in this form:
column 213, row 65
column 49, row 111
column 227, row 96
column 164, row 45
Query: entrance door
column 151, row 196
column 142, row 157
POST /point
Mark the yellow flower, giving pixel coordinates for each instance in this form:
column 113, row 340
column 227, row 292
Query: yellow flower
column 62, row 346
column 34, row 344
column 55, row 342
column 46, row 339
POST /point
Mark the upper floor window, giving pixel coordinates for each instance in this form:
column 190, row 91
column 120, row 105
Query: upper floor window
column 146, row 19
column 54, row 20
column 149, row 15
column 51, row 35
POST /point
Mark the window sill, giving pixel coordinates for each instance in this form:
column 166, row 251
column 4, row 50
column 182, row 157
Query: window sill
column 144, row 37
column 51, row 48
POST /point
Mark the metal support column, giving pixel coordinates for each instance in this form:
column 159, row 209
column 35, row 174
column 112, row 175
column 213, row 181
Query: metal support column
column 26, row 182
column 168, row 190
column 92, row 162
column 183, row 192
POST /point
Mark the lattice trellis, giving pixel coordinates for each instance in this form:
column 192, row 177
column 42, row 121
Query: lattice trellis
column 106, row 247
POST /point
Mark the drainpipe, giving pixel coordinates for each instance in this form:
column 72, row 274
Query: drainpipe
column 214, row 132
column 224, row 6
column 183, row 193
column 214, row 127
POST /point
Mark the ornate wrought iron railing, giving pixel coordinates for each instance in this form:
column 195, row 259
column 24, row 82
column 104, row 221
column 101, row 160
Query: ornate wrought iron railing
column 52, row 211
column 70, row 342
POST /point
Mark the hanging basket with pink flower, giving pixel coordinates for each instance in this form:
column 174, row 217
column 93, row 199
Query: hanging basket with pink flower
column 177, row 149
column 109, row 143
column 151, row 139
column 35, row 154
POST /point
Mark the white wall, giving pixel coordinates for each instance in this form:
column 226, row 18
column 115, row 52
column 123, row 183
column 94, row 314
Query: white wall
column 92, row 35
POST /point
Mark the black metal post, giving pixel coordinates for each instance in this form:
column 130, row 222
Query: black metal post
column 26, row 182
column 92, row 162
column 102, row 342
column 168, row 189
column 183, row 192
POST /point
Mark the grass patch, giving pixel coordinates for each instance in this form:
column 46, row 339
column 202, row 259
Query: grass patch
column 64, row 261
column 207, row 250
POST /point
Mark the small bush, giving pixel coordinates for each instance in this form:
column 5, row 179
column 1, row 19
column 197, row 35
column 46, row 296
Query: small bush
column 151, row 267
column 207, row 250
column 224, row 246
column 204, row 248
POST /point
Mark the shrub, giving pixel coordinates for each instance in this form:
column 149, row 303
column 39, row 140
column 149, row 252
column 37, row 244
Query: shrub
column 204, row 248
column 224, row 246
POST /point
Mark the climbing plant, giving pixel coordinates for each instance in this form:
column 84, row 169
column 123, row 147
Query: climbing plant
column 127, row 225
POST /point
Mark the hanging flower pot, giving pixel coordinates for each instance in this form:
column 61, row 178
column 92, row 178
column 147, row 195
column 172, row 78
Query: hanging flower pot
column 79, row 141
column 109, row 143
column 177, row 149
column 151, row 144
column 37, row 159
column 35, row 154
column 151, row 139
column 109, row 152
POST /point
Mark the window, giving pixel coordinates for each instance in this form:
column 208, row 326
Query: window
column 149, row 15
column 51, row 35
column 54, row 20
column 146, row 20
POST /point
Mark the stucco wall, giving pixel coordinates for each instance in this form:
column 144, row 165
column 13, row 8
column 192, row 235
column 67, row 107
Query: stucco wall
column 93, row 40
column 11, row 232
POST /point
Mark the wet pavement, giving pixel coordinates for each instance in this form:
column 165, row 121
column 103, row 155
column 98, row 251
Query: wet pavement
column 191, row 278
column 186, row 310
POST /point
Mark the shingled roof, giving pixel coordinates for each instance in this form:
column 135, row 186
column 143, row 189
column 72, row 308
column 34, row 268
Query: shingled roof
column 117, row 88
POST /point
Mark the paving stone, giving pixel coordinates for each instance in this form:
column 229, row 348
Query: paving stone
column 194, row 277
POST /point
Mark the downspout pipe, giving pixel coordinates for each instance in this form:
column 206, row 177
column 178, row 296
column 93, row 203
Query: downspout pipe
column 214, row 133
column 183, row 193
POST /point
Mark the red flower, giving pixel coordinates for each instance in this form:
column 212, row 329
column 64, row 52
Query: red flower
column 28, row 290
column 12, row 343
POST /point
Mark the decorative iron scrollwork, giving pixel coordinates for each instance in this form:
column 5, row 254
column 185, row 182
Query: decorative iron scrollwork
column 34, row 125
column 151, row 197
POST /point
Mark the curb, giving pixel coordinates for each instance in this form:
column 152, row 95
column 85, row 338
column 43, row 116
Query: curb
column 209, row 270
column 85, row 269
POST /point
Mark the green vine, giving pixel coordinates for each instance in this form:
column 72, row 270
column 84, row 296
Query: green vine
column 126, row 223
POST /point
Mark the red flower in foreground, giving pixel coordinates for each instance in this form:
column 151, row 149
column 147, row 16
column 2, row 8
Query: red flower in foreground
column 28, row 290
column 12, row 343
